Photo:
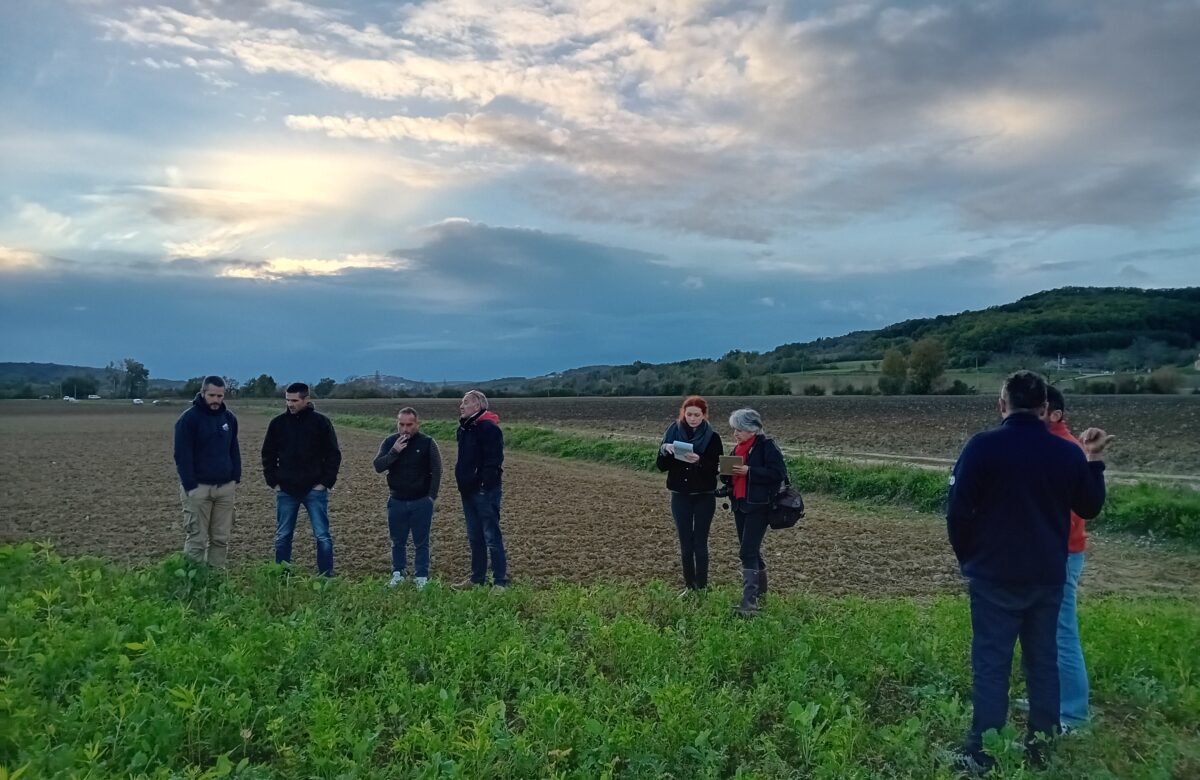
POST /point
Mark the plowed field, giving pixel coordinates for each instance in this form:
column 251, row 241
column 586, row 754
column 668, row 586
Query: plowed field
column 99, row 479
column 1156, row 434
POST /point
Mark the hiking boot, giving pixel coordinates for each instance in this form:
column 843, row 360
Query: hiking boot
column 420, row 582
column 466, row 584
column 749, row 605
column 397, row 579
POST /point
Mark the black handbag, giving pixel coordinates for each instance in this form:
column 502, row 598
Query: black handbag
column 787, row 508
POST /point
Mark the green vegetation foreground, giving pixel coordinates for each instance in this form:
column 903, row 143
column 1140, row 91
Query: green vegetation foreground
column 164, row 672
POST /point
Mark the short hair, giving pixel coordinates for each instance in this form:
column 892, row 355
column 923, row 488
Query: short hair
column 1054, row 397
column 696, row 401
column 299, row 388
column 746, row 420
column 478, row 396
column 408, row 410
column 1025, row 391
column 211, row 381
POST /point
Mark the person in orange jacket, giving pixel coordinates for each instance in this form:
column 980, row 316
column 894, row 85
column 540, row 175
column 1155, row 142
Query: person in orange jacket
column 1072, row 671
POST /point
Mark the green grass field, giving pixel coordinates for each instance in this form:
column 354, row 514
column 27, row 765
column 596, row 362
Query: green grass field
column 167, row 671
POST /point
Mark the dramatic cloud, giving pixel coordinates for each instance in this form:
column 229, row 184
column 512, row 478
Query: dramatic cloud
column 489, row 186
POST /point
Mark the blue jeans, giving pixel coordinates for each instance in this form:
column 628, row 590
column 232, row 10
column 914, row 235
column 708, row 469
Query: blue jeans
column 287, row 509
column 1000, row 614
column 481, row 510
column 415, row 517
column 693, row 514
column 1072, row 673
column 751, row 523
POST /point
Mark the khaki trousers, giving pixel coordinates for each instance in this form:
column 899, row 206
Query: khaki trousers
column 208, row 522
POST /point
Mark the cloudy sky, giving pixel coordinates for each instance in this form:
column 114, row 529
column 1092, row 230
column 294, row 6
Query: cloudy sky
column 478, row 188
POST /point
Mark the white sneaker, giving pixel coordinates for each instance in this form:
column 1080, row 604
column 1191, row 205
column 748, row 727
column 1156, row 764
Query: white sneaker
column 397, row 578
column 421, row 582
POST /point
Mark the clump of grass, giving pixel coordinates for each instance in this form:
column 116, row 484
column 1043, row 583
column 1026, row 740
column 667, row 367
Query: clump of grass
column 1145, row 508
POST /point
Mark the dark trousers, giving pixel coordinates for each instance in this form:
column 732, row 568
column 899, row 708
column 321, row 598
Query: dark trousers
column 751, row 523
column 481, row 509
column 693, row 513
column 1000, row 615
column 405, row 517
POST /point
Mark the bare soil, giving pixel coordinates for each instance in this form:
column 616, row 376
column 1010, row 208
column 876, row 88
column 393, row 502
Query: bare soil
column 99, row 479
column 1156, row 435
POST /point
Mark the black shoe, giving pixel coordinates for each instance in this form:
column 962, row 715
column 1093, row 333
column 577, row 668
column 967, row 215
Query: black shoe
column 968, row 764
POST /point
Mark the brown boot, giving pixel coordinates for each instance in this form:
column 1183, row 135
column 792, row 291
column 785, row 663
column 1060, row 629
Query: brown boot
column 749, row 605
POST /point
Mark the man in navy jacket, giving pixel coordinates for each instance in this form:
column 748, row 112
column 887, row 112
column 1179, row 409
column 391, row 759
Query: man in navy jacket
column 478, row 474
column 209, row 464
column 1008, row 516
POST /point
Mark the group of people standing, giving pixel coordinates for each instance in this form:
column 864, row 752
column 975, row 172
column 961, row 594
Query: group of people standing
column 300, row 461
column 1018, row 498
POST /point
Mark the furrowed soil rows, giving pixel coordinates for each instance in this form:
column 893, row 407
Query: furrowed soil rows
column 1155, row 434
column 99, row 479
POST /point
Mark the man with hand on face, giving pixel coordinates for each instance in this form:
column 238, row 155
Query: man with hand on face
column 414, row 473
column 209, row 464
column 300, row 459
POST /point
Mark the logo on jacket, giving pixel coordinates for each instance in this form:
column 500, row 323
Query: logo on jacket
column 225, row 427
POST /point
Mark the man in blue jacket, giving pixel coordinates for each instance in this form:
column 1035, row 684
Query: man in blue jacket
column 300, row 460
column 209, row 464
column 478, row 472
column 1008, row 516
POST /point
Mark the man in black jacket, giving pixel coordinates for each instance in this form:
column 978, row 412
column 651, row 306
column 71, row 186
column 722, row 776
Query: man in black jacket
column 300, row 459
column 478, row 472
column 414, row 473
column 209, row 464
column 1008, row 516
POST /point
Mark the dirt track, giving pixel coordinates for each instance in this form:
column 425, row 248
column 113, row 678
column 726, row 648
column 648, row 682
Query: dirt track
column 100, row 480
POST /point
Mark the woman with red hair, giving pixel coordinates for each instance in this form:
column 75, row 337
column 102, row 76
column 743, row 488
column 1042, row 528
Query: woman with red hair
column 692, row 479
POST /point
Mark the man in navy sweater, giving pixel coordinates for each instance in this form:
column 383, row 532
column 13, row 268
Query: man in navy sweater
column 1008, row 516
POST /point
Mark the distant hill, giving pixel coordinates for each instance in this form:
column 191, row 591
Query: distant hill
column 1108, row 328
column 45, row 373
column 1105, row 328
column 1077, row 321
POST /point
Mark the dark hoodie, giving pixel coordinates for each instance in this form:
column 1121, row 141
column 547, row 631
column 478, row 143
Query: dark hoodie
column 300, row 452
column 480, row 452
column 206, row 446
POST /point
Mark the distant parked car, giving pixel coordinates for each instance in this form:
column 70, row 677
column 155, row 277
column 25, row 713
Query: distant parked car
column 138, row 402
column 69, row 398
column 93, row 397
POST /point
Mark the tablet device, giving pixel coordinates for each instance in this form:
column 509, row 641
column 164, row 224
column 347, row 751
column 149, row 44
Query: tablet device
column 727, row 464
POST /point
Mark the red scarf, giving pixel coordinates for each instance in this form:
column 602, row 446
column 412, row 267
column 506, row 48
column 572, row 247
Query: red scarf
column 739, row 480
